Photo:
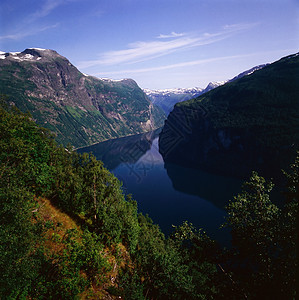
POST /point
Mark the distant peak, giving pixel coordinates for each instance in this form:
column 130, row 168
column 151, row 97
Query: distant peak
column 127, row 81
column 111, row 80
column 174, row 91
column 30, row 54
column 41, row 52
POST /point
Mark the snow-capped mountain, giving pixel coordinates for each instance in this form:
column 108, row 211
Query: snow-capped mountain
column 80, row 109
column 177, row 91
column 248, row 72
column 212, row 85
column 167, row 98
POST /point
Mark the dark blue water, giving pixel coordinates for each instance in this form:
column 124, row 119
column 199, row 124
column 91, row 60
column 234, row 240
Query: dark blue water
column 170, row 194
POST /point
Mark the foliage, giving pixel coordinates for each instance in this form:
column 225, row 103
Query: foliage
column 25, row 148
column 18, row 237
column 200, row 254
column 265, row 103
column 263, row 256
column 248, row 124
column 74, row 269
column 39, row 260
column 80, row 110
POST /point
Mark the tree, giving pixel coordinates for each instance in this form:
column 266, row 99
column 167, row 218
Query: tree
column 260, row 257
column 289, row 233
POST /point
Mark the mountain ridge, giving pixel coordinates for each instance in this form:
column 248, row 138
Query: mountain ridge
column 80, row 109
column 167, row 98
column 247, row 124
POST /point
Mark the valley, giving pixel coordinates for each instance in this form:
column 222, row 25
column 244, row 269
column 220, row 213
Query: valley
column 148, row 206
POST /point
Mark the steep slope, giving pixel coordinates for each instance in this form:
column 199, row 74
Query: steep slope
column 248, row 72
column 249, row 124
column 166, row 99
column 80, row 109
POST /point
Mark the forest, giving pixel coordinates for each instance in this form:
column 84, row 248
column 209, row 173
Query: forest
column 68, row 231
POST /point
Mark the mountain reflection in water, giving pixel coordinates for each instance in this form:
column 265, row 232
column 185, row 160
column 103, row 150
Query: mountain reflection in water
column 122, row 150
column 170, row 194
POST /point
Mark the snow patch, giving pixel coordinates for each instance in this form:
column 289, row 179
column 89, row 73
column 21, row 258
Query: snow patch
column 24, row 58
column 175, row 91
column 292, row 56
column 19, row 56
column 40, row 49
column 28, row 56
column 111, row 80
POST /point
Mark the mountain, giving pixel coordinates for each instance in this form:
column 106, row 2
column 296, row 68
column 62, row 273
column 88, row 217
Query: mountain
column 251, row 123
column 78, row 108
column 248, row 72
column 166, row 99
column 212, row 85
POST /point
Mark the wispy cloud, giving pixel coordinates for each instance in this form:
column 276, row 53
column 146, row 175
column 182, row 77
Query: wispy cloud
column 195, row 63
column 171, row 35
column 172, row 66
column 147, row 50
column 31, row 22
column 46, row 9
column 240, row 26
column 141, row 51
column 28, row 32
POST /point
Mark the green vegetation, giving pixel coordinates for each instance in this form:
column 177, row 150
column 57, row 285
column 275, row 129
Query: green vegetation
column 67, row 231
column 248, row 124
column 80, row 110
column 266, row 103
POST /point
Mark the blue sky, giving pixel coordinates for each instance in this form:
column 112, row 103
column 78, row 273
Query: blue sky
column 159, row 43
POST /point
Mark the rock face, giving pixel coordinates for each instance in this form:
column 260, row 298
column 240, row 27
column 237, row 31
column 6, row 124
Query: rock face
column 80, row 109
column 249, row 124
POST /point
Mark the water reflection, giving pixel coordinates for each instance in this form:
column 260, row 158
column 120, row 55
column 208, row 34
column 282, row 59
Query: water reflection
column 170, row 194
column 215, row 188
column 123, row 150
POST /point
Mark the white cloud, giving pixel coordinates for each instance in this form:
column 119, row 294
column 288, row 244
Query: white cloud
column 147, row 50
column 172, row 66
column 171, row 35
column 143, row 51
column 124, row 72
column 239, row 26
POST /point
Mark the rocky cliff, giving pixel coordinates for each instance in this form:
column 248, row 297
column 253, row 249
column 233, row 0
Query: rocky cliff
column 79, row 109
